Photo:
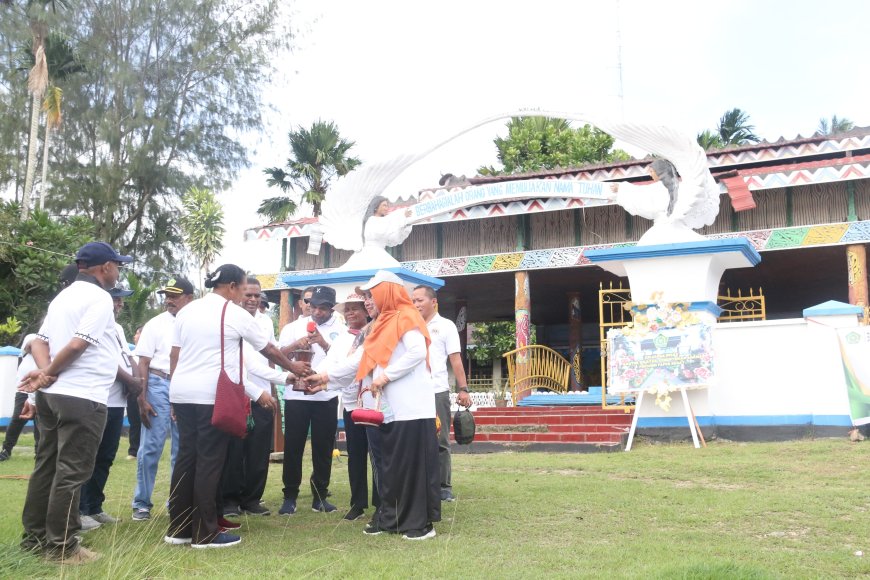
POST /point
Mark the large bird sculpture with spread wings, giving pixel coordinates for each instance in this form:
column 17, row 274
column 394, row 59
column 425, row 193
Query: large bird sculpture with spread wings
column 349, row 218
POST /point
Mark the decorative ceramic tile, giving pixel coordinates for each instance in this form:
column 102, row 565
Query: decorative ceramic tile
column 786, row 238
column 427, row 267
column 507, row 261
column 478, row 264
column 536, row 259
column 819, row 235
column 564, row 257
column 857, row 232
column 452, row 266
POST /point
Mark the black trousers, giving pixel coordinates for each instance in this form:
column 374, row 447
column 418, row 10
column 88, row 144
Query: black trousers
column 197, row 474
column 92, row 496
column 16, row 425
column 411, row 486
column 247, row 466
column 71, row 431
column 322, row 418
column 135, row 425
column 358, row 464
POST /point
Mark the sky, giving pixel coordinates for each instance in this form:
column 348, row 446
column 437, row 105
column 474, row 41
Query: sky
column 398, row 77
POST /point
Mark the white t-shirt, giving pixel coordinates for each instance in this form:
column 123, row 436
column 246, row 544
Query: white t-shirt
column 409, row 393
column 155, row 342
column 329, row 330
column 445, row 341
column 116, row 393
column 83, row 310
column 198, row 335
column 341, row 365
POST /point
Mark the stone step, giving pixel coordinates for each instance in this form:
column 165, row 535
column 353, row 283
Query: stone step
column 554, row 419
column 609, row 438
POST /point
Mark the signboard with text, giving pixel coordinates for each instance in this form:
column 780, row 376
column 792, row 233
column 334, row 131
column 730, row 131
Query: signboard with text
column 677, row 357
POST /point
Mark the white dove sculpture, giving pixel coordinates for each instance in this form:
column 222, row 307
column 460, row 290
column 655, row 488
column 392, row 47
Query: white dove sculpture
column 350, row 221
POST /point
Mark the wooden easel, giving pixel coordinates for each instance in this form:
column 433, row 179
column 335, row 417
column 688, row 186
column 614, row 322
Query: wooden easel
column 694, row 428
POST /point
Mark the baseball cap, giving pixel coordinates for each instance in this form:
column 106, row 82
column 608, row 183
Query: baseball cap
column 381, row 276
column 119, row 292
column 322, row 295
column 97, row 253
column 354, row 297
column 177, row 286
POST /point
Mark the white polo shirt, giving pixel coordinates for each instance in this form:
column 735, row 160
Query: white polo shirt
column 341, row 364
column 125, row 361
column 409, row 393
column 198, row 335
column 155, row 342
column 329, row 330
column 445, row 341
column 83, row 310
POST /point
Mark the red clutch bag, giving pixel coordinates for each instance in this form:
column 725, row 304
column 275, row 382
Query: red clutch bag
column 368, row 417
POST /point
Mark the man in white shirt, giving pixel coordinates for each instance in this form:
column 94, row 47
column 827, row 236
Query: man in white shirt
column 77, row 355
column 445, row 346
column 153, row 348
column 93, row 496
column 247, row 466
column 319, row 412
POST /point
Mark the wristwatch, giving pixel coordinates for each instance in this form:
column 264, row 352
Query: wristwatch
column 460, row 389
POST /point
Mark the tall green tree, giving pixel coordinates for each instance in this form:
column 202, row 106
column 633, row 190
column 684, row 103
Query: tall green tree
column 169, row 92
column 317, row 156
column 32, row 254
column 708, row 139
column 203, row 225
column 536, row 143
column 835, row 125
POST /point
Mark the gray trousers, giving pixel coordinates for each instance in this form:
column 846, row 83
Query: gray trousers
column 70, row 433
column 442, row 409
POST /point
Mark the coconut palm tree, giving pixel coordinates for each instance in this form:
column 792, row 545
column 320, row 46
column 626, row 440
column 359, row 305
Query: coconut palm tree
column 734, row 128
column 708, row 139
column 835, row 125
column 317, row 155
column 37, row 81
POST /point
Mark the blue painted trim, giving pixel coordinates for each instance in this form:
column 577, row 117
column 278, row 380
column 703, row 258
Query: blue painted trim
column 832, row 308
column 749, row 421
column 10, row 351
column 706, row 306
column 357, row 276
column 741, row 245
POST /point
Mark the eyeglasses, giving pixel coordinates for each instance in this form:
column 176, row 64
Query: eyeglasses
column 306, row 300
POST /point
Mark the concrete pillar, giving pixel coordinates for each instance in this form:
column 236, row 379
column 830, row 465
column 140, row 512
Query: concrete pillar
column 285, row 309
column 856, row 260
column 575, row 341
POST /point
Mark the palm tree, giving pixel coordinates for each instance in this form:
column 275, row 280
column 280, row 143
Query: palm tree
column 37, row 82
column 202, row 224
column 708, row 139
column 61, row 62
column 317, row 155
column 835, row 125
column 734, row 128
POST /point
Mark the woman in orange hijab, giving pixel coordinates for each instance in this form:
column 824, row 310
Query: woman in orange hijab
column 395, row 353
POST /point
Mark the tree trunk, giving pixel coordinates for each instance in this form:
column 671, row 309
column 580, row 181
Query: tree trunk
column 43, row 185
column 31, row 157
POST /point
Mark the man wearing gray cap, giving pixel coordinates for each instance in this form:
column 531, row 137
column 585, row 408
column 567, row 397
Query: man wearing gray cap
column 76, row 352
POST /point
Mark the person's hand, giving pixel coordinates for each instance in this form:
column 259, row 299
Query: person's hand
column 27, row 411
column 267, row 402
column 300, row 369
column 317, row 338
column 463, row 398
column 315, row 383
column 135, row 391
column 146, row 411
column 35, row 380
column 172, row 413
column 379, row 383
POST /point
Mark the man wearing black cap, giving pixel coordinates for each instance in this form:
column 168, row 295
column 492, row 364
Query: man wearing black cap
column 319, row 412
column 77, row 353
column 93, row 496
column 153, row 349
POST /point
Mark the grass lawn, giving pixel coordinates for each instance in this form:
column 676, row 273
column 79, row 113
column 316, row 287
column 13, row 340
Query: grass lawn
column 757, row 510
